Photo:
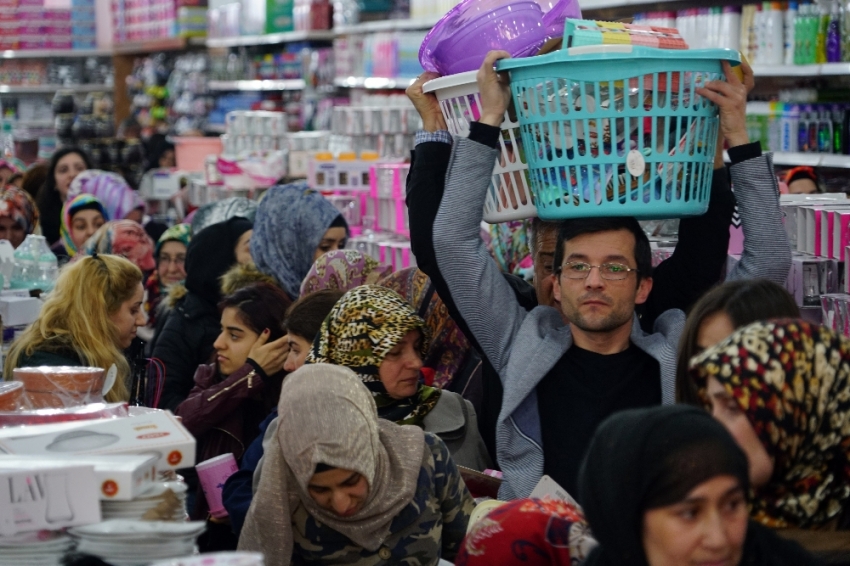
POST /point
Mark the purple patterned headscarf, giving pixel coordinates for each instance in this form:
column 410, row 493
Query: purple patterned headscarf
column 118, row 198
column 343, row 270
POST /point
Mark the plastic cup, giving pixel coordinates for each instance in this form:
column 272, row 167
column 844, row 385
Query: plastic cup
column 213, row 473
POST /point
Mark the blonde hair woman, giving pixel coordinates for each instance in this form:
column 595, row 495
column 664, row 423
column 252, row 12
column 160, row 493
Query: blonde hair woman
column 89, row 318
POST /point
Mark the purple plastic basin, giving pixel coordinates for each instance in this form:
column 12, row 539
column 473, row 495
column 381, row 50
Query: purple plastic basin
column 461, row 39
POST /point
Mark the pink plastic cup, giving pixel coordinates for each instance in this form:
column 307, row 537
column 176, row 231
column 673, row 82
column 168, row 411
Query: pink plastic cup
column 213, row 473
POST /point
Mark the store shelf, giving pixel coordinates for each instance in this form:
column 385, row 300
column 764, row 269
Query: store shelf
column 32, row 123
column 388, row 25
column 827, row 69
column 50, row 89
column 377, row 83
column 153, row 46
column 292, row 84
column 807, row 159
column 53, row 53
column 272, row 38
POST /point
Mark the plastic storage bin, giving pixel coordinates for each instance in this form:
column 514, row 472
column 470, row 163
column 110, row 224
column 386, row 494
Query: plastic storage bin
column 618, row 130
column 388, row 181
column 510, row 196
column 191, row 152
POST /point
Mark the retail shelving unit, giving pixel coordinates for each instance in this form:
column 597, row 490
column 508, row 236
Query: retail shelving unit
column 258, row 86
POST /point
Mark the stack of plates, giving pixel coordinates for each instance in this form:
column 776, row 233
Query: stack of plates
column 217, row 559
column 137, row 543
column 43, row 548
column 166, row 501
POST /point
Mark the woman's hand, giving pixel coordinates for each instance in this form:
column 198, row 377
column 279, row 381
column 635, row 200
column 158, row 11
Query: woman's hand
column 731, row 97
column 426, row 103
column 495, row 89
column 269, row 355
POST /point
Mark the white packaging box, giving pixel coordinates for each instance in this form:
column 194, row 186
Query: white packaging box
column 119, row 478
column 157, row 434
column 50, row 496
column 19, row 311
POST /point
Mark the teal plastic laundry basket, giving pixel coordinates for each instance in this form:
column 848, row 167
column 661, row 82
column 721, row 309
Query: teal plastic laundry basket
column 618, row 130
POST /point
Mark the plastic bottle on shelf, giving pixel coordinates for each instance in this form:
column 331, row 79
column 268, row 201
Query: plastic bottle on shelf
column 825, row 132
column 758, row 39
column 833, row 33
column 837, row 129
column 845, row 30
column 803, row 129
column 814, row 124
column 790, row 26
column 800, row 33
column 730, row 28
column 788, row 128
column 8, row 140
column 822, row 14
column 774, row 35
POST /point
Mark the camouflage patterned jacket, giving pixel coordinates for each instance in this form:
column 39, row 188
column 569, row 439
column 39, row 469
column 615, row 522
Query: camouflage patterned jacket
column 431, row 527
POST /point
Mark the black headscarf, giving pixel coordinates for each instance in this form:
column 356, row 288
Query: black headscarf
column 210, row 254
column 649, row 458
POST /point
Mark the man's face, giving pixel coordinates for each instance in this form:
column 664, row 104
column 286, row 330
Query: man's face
column 547, row 240
column 594, row 304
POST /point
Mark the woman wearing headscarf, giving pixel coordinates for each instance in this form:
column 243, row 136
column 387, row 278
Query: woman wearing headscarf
column 18, row 215
column 783, row 390
column 124, row 238
column 343, row 270
column 668, row 486
column 341, row 486
column 376, row 333
column 221, row 210
column 170, row 257
column 82, row 216
column 188, row 334
column 118, row 198
column 450, row 355
column 294, row 227
column 509, row 247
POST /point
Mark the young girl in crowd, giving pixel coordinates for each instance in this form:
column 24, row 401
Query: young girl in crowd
column 718, row 313
column 339, row 485
column 124, row 238
column 88, row 319
column 783, row 391
column 82, row 216
column 343, row 270
column 294, row 227
column 303, row 322
column 375, row 332
column 668, row 486
column 65, row 165
column 18, row 215
column 233, row 395
column 192, row 326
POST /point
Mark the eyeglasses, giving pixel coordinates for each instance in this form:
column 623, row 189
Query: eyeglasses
column 608, row 271
column 179, row 260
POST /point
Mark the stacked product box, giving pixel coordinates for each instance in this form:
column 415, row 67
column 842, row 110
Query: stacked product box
column 8, row 24
column 143, row 20
column 83, row 26
column 27, row 24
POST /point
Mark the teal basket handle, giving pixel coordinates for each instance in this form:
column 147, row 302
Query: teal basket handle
column 621, row 51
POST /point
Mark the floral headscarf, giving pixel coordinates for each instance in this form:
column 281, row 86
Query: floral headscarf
column 509, row 247
column 117, row 197
column 343, row 270
column 449, row 347
column 13, row 164
column 19, row 206
column 126, row 238
column 528, row 532
column 364, row 325
column 178, row 233
column 71, row 207
column 792, row 380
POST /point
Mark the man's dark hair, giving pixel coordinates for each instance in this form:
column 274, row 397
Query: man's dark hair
column 573, row 228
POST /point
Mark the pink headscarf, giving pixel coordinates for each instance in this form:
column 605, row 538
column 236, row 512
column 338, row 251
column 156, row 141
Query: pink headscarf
column 111, row 189
column 125, row 238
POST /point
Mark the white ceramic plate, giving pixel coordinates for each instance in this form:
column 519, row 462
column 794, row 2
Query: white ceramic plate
column 135, row 530
column 216, row 559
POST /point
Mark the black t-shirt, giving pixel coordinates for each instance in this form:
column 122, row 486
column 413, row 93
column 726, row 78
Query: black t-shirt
column 582, row 390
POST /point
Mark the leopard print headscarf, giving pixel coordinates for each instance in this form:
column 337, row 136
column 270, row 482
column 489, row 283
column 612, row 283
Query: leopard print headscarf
column 364, row 325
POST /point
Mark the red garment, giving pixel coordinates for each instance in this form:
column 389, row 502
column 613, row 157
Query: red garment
column 526, row 532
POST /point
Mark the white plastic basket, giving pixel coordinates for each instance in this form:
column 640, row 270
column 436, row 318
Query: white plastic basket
column 509, row 196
